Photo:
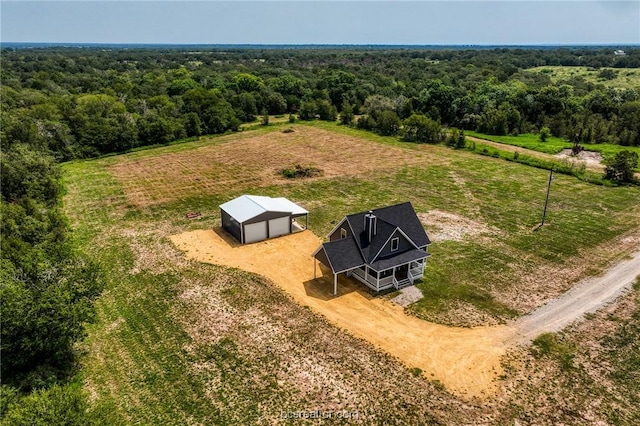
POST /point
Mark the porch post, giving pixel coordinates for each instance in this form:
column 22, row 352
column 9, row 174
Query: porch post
column 315, row 265
column 335, row 283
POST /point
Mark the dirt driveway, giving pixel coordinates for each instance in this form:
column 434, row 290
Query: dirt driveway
column 465, row 360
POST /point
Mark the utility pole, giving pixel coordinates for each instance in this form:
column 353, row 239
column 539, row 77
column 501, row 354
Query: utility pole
column 546, row 201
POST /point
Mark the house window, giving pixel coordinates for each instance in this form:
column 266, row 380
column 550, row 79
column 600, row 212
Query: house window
column 343, row 233
column 395, row 243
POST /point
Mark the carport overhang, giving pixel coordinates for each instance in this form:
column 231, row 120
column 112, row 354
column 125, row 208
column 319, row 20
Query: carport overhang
column 324, row 257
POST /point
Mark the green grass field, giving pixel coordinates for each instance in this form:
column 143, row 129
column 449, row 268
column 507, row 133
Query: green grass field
column 181, row 342
column 626, row 78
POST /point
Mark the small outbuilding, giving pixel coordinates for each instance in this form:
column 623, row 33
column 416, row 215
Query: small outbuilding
column 252, row 218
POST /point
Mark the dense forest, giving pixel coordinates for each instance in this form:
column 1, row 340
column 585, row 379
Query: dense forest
column 85, row 102
column 60, row 104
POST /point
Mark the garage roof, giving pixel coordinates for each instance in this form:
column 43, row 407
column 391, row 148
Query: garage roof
column 247, row 207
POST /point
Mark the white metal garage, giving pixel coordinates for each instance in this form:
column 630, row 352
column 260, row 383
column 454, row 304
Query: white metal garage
column 252, row 218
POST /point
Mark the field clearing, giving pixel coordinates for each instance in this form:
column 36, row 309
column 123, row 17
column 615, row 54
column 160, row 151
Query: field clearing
column 178, row 341
column 626, row 78
column 232, row 164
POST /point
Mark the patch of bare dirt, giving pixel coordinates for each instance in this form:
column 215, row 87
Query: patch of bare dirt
column 446, row 226
column 250, row 161
column 150, row 252
column 589, row 158
column 465, row 360
column 462, row 314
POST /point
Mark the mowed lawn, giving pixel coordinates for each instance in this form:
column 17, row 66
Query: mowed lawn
column 143, row 367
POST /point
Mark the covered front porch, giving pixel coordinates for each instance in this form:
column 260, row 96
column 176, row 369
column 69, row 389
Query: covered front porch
column 396, row 277
column 398, row 271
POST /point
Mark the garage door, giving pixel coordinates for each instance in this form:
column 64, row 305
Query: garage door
column 279, row 226
column 255, row 232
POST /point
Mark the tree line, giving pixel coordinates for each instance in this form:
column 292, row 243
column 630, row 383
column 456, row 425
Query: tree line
column 81, row 103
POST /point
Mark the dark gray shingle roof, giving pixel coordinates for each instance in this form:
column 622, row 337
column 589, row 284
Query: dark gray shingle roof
column 343, row 254
column 402, row 258
column 350, row 253
column 389, row 218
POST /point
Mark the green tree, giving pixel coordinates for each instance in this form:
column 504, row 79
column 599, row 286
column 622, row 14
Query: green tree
column 388, row 123
column 307, row 110
column 374, row 105
column 439, row 96
column 621, row 167
column 366, row 122
column 248, row 82
column 326, row 111
column 338, row 85
column 46, row 291
column 346, row 114
column 420, row 128
column 276, row 103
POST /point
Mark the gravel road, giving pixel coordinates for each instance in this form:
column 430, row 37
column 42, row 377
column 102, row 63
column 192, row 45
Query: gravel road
column 588, row 296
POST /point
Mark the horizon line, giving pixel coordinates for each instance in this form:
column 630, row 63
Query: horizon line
column 69, row 43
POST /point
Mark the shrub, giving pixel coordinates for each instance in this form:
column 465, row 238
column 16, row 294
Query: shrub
column 544, row 134
column 298, row 171
column 57, row 405
column 455, row 138
column 620, row 168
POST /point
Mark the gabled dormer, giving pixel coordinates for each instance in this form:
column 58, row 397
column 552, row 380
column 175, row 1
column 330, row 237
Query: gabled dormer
column 397, row 243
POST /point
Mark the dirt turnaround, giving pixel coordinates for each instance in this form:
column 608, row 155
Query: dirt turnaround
column 465, row 360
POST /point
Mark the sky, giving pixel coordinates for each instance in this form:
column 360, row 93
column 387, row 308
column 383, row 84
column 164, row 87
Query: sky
column 418, row 22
